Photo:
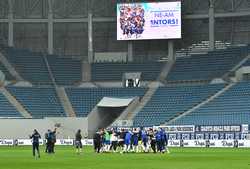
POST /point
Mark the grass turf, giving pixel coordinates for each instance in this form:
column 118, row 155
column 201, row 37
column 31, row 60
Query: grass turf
column 179, row 158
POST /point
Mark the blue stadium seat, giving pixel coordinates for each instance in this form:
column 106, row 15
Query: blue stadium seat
column 39, row 101
column 66, row 71
column 169, row 102
column 231, row 108
column 206, row 66
column 114, row 71
column 7, row 110
column 30, row 65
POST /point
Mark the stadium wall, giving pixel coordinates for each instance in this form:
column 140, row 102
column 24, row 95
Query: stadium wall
column 22, row 128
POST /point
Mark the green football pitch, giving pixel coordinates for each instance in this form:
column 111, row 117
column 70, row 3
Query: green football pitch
column 179, row 158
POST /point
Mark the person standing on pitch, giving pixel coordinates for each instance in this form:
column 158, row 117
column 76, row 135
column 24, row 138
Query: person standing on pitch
column 135, row 140
column 140, row 146
column 78, row 141
column 144, row 138
column 35, row 143
column 158, row 141
column 164, row 141
column 114, row 141
column 107, row 135
column 127, row 141
column 97, row 141
column 121, row 139
column 53, row 140
column 152, row 140
column 47, row 141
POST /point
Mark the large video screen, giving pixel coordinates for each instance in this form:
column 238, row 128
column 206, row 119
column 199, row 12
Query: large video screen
column 158, row 20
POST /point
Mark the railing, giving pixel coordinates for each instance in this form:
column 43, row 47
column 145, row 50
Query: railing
column 44, row 55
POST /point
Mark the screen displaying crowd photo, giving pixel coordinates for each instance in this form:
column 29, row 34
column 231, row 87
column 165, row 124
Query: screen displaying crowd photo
column 159, row 20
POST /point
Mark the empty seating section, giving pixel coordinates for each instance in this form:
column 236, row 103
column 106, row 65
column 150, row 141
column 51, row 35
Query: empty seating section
column 232, row 107
column 206, row 66
column 7, row 110
column 114, row 71
column 168, row 102
column 66, row 71
column 39, row 101
column 30, row 65
column 84, row 100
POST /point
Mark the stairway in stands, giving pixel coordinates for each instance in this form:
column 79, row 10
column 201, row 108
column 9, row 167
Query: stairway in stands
column 65, row 102
column 152, row 88
column 148, row 95
column 9, row 67
column 15, row 103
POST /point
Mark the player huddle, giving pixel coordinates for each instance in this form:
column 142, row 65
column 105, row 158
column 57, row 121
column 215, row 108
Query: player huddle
column 131, row 140
column 112, row 140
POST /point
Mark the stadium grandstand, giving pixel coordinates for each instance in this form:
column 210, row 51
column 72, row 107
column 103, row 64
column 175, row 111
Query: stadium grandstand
column 148, row 84
column 61, row 59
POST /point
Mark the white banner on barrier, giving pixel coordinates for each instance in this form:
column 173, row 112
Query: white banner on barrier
column 68, row 142
column 87, row 142
column 6, row 142
column 244, row 128
column 194, row 143
column 174, row 143
column 27, row 142
column 221, row 143
column 64, row 142
column 177, row 129
column 171, row 143
column 243, row 143
column 213, row 143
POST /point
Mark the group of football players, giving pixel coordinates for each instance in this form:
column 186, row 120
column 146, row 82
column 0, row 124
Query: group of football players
column 131, row 140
